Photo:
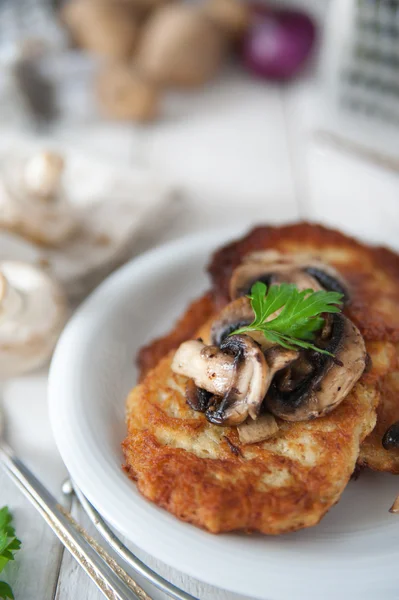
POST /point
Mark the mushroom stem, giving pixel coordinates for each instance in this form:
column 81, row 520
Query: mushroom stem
column 238, row 373
column 209, row 367
column 43, row 174
column 262, row 429
column 10, row 299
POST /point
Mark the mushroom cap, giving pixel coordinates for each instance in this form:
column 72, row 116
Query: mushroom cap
column 32, row 200
column 332, row 378
column 233, row 316
column 270, row 266
column 32, row 314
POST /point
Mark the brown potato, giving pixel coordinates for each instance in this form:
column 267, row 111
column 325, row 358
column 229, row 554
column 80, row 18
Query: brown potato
column 103, row 27
column 126, row 95
column 143, row 6
column 231, row 15
column 180, row 47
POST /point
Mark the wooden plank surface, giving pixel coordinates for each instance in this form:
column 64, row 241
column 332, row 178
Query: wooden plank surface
column 34, row 574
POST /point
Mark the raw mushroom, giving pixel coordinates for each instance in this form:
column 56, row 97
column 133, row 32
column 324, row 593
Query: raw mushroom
column 331, row 380
column 32, row 201
column 237, row 375
column 32, row 314
column 272, row 267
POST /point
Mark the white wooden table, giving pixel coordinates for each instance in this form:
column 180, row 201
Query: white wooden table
column 242, row 152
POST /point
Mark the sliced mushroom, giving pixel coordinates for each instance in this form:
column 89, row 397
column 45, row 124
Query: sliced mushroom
column 43, row 174
column 32, row 314
column 260, row 430
column 197, row 398
column 391, row 437
column 32, row 200
column 209, row 367
column 237, row 374
column 235, row 315
column 331, row 380
column 272, row 267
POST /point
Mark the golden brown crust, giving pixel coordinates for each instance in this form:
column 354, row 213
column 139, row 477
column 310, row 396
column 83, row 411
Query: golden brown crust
column 372, row 272
column 372, row 452
column 203, row 474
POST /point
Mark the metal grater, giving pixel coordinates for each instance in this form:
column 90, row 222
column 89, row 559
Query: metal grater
column 360, row 70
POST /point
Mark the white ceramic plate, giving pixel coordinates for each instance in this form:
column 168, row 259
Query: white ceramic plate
column 353, row 553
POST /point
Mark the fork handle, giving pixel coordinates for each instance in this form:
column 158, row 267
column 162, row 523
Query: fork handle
column 103, row 570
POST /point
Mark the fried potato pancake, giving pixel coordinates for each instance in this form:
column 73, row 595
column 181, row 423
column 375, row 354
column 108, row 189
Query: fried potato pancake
column 371, row 272
column 201, row 473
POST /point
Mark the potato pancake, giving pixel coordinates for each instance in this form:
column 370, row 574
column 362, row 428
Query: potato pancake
column 202, row 473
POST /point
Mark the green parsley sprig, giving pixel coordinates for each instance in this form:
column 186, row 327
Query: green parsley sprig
column 299, row 319
column 9, row 544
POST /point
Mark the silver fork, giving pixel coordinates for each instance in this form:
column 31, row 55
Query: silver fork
column 105, row 572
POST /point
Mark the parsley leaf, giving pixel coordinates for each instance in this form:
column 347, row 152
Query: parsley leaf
column 298, row 319
column 9, row 544
column 5, row 591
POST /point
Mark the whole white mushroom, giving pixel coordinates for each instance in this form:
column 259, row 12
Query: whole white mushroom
column 33, row 202
column 33, row 312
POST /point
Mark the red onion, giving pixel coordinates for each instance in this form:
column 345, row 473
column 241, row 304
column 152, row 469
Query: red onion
column 278, row 42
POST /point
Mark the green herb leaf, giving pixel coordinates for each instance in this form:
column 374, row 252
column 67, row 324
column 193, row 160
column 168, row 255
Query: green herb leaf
column 298, row 318
column 9, row 544
column 5, row 591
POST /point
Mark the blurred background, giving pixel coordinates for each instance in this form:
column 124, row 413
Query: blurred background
column 250, row 112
